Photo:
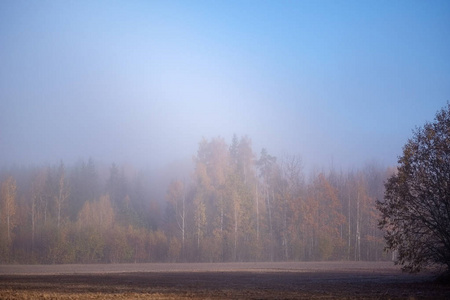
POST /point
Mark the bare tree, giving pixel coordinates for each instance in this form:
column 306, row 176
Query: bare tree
column 416, row 207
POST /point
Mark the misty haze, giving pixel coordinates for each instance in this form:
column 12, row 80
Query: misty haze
column 210, row 132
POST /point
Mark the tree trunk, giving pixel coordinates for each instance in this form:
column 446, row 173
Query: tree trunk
column 349, row 243
column 257, row 214
column 285, row 239
column 358, row 232
column 8, row 227
column 235, row 230
column 33, row 222
column 183, row 226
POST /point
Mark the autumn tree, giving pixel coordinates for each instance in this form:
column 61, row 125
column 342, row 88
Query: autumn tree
column 94, row 221
column 210, row 175
column 310, row 224
column 415, row 213
column 84, row 183
column 267, row 172
column 329, row 219
column 62, row 193
column 116, row 187
column 98, row 214
column 176, row 197
column 8, row 208
column 37, row 198
column 289, row 204
column 372, row 237
column 240, row 193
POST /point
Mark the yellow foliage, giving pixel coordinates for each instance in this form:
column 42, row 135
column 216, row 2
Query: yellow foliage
column 99, row 214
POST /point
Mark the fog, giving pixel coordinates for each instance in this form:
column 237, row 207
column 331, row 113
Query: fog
column 132, row 131
column 143, row 82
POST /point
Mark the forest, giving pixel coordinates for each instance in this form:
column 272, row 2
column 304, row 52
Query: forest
column 235, row 205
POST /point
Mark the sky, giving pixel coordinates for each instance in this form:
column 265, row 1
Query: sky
column 336, row 82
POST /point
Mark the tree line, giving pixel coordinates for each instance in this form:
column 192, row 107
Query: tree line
column 235, row 206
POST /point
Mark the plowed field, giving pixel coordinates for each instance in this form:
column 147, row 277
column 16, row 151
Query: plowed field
column 325, row 280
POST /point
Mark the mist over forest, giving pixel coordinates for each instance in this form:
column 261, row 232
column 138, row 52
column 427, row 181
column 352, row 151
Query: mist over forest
column 140, row 131
column 234, row 205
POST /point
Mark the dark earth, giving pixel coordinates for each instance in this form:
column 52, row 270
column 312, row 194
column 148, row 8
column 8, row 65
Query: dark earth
column 297, row 280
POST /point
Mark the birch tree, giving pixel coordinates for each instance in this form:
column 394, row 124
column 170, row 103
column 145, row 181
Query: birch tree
column 176, row 197
column 62, row 194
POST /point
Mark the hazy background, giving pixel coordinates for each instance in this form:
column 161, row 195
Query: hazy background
column 142, row 82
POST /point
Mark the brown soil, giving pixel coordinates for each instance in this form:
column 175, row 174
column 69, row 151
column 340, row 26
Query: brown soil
column 338, row 280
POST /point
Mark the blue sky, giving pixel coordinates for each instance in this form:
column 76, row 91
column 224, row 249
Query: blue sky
column 143, row 81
